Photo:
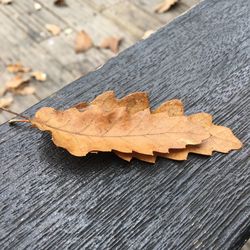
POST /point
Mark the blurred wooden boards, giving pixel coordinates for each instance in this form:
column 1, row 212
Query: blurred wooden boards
column 25, row 39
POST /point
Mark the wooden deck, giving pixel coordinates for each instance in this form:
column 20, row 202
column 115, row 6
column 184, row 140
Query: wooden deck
column 51, row 200
column 25, row 39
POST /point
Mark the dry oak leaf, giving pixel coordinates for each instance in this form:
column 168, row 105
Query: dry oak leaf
column 17, row 67
column 16, row 82
column 53, row 29
column 94, row 130
column 39, row 75
column 119, row 116
column 108, row 102
column 83, row 42
column 27, row 90
column 221, row 139
column 5, row 102
column 171, row 108
column 60, row 3
column 165, row 6
column 133, row 103
column 111, row 43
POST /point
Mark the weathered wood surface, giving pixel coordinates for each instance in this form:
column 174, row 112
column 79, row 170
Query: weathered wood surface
column 51, row 200
column 25, row 39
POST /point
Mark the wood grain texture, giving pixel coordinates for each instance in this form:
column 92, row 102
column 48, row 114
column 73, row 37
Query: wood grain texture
column 51, row 200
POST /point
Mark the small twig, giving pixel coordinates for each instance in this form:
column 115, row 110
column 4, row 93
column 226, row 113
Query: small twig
column 25, row 118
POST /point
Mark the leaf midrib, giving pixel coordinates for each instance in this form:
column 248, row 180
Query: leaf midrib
column 119, row 136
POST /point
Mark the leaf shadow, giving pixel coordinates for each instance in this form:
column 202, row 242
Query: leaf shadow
column 63, row 161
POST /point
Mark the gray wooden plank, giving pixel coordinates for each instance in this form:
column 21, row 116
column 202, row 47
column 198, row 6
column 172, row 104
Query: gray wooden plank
column 19, row 46
column 176, row 10
column 128, row 16
column 53, row 200
column 61, row 44
column 90, row 21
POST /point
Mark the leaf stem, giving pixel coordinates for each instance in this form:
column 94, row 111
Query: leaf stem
column 25, row 118
column 17, row 120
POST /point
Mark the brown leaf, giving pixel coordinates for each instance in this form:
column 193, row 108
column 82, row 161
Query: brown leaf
column 107, row 101
column 95, row 130
column 111, row 43
column 5, row 102
column 39, row 75
column 17, row 67
column 221, row 139
column 82, row 106
column 133, row 103
column 60, row 3
column 165, row 6
column 125, row 156
column 128, row 128
column 171, row 108
column 83, row 42
column 16, row 82
column 27, row 90
column 141, row 157
column 53, row 29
